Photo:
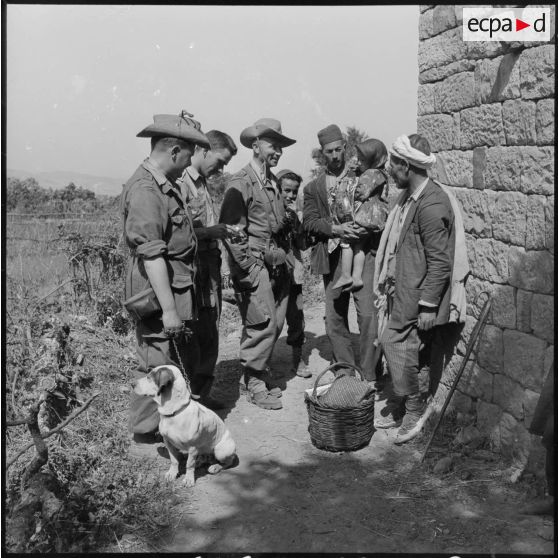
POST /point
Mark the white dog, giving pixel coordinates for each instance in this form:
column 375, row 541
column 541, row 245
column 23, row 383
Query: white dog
column 186, row 425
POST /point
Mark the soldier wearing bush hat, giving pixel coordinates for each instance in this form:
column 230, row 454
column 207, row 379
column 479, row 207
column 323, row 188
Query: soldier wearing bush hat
column 159, row 233
column 257, row 263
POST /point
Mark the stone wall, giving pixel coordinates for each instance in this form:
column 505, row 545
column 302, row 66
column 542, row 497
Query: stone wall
column 487, row 109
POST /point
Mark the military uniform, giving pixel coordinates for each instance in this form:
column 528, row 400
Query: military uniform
column 254, row 202
column 157, row 223
column 208, row 279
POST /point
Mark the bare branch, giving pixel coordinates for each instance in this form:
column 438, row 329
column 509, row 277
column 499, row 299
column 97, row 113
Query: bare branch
column 17, row 422
column 76, row 413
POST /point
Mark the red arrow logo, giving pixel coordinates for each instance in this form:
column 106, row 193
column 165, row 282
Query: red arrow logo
column 519, row 25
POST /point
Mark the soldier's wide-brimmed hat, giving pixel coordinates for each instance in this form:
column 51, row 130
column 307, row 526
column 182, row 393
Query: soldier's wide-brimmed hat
column 265, row 127
column 181, row 126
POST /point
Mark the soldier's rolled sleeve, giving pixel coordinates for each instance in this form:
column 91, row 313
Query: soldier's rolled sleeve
column 145, row 223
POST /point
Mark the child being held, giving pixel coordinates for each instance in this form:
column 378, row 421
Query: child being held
column 370, row 211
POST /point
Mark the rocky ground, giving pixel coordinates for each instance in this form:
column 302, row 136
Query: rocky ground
column 287, row 496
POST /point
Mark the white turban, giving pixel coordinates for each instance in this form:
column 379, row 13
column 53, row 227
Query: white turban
column 402, row 148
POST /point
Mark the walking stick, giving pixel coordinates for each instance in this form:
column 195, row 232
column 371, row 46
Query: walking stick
column 477, row 330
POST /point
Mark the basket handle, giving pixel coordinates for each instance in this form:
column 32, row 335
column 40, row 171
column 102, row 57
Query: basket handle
column 332, row 367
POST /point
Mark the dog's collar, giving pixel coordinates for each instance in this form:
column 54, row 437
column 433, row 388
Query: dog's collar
column 180, row 409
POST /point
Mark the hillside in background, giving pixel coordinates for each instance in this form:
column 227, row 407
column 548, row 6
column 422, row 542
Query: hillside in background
column 99, row 185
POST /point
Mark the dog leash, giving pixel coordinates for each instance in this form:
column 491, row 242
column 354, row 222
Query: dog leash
column 172, row 334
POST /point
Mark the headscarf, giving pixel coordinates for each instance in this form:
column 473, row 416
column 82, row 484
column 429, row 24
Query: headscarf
column 374, row 153
column 403, row 149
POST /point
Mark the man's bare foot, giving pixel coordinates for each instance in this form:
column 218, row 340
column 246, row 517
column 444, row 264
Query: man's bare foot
column 357, row 284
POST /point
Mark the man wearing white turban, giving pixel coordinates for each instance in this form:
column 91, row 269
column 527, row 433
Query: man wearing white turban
column 412, row 280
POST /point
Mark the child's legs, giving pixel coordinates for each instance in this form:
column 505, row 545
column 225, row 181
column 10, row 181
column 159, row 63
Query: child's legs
column 358, row 261
column 346, row 260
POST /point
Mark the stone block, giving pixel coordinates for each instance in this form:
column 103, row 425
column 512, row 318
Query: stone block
column 514, row 439
column 427, row 100
column 549, row 223
column 531, row 271
column 542, row 317
column 537, row 170
column 442, row 49
column 457, row 92
column 497, row 79
column 425, row 7
column 491, row 350
column 477, row 382
column 509, row 395
column 502, row 168
column 468, row 326
column 444, row 18
column 509, row 217
column 536, row 69
column 503, row 310
column 438, row 73
column 426, row 25
column 482, row 126
column 535, row 238
column 519, row 122
column 529, row 403
column 488, row 416
column 475, row 210
column 460, row 403
column 457, row 128
column 524, row 358
column 475, row 287
column 484, row 49
column 544, row 122
column 488, row 259
column 455, row 167
column 438, row 129
column 524, row 301
column 479, row 166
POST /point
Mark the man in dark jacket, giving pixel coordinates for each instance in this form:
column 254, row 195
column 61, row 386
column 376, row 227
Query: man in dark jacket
column 257, row 264
column 414, row 269
column 325, row 256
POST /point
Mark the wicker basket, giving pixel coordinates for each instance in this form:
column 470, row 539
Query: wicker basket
column 339, row 429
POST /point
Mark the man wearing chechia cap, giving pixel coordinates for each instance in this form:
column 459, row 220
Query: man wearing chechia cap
column 256, row 261
column 419, row 282
column 319, row 199
column 159, row 232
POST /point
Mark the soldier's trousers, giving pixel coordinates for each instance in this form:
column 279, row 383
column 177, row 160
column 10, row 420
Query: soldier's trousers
column 263, row 311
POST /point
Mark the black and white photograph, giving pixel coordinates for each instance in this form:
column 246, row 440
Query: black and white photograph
column 278, row 280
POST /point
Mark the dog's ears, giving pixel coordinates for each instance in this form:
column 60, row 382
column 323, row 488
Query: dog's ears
column 163, row 377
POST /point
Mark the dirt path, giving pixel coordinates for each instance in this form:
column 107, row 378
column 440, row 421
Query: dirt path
column 287, row 496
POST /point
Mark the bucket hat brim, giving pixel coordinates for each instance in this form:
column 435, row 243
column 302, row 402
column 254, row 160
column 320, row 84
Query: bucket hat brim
column 175, row 126
column 263, row 130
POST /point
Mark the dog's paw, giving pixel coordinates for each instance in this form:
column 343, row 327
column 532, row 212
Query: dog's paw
column 170, row 475
column 188, row 481
column 214, row 469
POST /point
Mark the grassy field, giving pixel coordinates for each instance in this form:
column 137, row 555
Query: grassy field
column 66, row 340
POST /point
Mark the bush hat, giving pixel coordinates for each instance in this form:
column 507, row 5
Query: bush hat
column 181, row 126
column 265, row 127
column 329, row 134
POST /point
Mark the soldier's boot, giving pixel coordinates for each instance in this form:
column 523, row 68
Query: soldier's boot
column 258, row 393
column 299, row 365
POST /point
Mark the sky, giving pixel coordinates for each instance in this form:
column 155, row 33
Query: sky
column 82, row 81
